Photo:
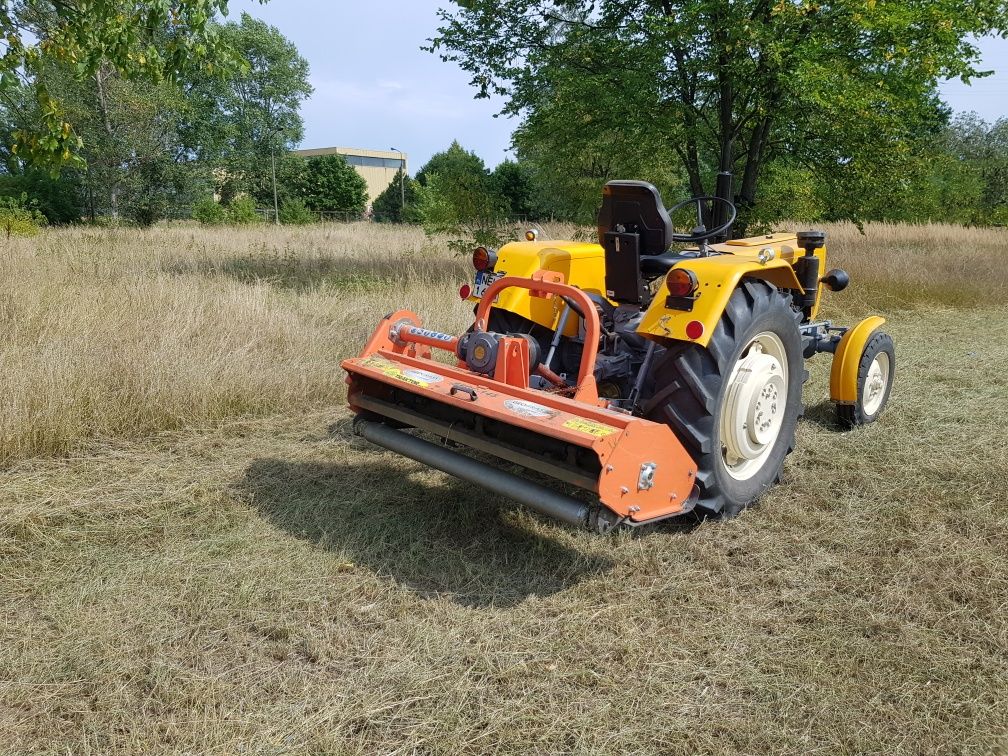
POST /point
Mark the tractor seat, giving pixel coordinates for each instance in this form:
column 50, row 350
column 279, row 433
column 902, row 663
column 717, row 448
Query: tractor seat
column 635, row 230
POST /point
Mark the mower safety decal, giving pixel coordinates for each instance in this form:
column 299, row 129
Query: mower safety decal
column 412, row 376
column 528, row 409
column 590, row 427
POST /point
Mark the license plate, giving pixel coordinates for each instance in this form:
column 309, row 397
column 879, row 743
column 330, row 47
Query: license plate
column 483, row 279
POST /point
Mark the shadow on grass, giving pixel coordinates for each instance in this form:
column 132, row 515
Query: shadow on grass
column 823, row 415
column 437, row 535
column 307, row 272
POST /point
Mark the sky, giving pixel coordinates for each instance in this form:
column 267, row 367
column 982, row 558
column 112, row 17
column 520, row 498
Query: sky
column 375, row 88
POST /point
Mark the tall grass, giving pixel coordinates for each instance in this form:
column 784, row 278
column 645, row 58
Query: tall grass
column 274, row 585
column 122, row 332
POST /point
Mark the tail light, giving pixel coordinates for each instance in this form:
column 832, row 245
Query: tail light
column 681, row 282
column 484, row 259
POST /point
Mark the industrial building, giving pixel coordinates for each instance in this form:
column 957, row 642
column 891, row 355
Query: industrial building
column 377, row 167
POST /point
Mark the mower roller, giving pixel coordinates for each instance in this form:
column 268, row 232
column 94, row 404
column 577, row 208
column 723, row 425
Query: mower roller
column 659, row 379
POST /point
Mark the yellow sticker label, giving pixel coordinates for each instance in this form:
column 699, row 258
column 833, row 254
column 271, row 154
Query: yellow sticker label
column 590, row 427
column 412, row 376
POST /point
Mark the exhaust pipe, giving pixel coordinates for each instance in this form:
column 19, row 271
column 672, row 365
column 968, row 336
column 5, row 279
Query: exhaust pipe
column 541, row 499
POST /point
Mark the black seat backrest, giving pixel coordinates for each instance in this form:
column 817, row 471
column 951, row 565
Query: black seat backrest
column 632, row 222
column 637, row 206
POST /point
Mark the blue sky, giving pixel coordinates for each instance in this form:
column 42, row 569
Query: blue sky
column 375, row 88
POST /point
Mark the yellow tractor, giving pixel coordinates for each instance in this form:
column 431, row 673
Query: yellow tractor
column 660, row 372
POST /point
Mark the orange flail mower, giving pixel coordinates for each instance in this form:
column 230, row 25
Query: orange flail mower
column 658, row 381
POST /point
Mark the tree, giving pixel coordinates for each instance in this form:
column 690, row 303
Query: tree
column 463, row 185
column 330, row 183
column 513, row 183
column 136, row 161
column 842, row 87
column 455, row 198
column 153, row 40
column 983, row 149
column 388, row 206
column 244, row 116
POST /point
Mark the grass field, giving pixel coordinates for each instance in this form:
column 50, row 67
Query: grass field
column 197, row 556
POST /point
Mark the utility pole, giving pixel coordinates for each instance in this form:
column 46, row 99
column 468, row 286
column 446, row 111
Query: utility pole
column 276, row 205
column 402, row 179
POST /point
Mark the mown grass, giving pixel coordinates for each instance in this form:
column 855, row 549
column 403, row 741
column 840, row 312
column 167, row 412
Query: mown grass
column 197, row 556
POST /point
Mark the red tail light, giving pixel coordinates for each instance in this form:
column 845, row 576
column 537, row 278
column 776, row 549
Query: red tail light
column 464, row 291
column 681, row 282
column 483, row 258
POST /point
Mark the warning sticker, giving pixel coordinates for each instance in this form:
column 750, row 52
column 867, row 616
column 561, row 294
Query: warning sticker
column 528, row 409
column 414, row 377
column 590, row 427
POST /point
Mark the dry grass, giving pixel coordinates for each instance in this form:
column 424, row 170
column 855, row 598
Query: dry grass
column 197, row 557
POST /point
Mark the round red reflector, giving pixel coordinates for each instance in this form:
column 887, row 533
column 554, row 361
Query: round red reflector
column 481, row 258
column 464, row 291
column 680, row 282
column 694, row 329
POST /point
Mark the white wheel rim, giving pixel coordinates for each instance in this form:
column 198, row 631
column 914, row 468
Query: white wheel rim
column 875, row 384
column 754, row 405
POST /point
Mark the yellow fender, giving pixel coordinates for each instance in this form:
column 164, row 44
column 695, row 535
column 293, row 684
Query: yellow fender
column 844, row 372
column 717, row 278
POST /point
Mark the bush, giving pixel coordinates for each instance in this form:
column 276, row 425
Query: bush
column 59, row 199
column 242, row 211
column 19, row 217
column 209, row 212
column 294, row 212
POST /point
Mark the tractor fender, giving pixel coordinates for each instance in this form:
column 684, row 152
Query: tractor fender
column 844, row 371
column 717, row 277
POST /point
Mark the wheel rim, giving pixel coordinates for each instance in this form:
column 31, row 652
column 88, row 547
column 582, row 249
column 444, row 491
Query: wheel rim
column 875, row 384
column 754, row 406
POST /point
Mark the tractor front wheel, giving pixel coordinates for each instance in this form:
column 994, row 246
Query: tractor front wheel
column 735, row 404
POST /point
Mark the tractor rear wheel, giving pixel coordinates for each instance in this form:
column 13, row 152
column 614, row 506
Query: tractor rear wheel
column 735, row 404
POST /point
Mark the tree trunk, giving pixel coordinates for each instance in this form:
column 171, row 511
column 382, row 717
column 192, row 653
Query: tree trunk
column 107, row 124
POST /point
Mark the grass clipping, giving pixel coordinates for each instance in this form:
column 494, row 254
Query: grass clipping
column 199, row 557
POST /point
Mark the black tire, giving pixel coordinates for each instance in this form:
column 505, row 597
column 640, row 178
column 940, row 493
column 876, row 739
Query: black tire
column 852, row 415
column 688, row 385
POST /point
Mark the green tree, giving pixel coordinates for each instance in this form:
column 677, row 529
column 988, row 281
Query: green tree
column 455, row 198
column 330, row 183
column 137, row 39
column 244, row 116
column 983, row 149
column 463, row 186
column 136, row 161
column 514, row 184
column 843, row 87
column 389, row 206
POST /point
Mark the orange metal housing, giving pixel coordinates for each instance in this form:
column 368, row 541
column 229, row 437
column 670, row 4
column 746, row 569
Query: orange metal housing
column 639, row 469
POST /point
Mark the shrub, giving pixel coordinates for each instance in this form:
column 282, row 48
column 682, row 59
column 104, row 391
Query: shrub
column 294, row 212
column 19, row 217
column 242, row 211
column 209, row 212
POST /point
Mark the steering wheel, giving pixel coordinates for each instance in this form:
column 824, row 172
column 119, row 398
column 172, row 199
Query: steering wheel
column 700, row 233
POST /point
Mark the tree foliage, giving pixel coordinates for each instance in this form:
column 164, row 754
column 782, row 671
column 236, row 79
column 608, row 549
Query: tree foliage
column 154, row 40
column 843, row 88
column 243, row 117
column 398, row 201
column 456, row 198
column 19, row 217
column 330, row 183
